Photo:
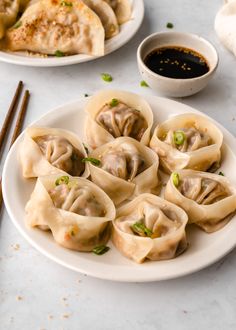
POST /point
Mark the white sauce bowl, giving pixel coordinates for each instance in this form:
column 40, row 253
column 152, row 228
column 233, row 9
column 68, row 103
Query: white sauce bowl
column 171, row 86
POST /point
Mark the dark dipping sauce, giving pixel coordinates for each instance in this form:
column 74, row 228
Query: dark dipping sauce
column 176, row 62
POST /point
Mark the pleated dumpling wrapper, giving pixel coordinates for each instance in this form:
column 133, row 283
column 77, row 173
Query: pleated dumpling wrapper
column 122, row 9
column 187, row 141
column 77, row 212
column 208, row 199
column 113, row 113
column 46, row 151
column 124, row 168
column 56, row 27
column 8, row 13
column 149, row 227
column 106, row 15
column 225, row 25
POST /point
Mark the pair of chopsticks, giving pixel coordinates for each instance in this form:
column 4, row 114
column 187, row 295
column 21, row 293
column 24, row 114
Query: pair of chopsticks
column 8, row 122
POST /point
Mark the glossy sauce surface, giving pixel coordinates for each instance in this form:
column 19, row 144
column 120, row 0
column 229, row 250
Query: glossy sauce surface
column 176, row 62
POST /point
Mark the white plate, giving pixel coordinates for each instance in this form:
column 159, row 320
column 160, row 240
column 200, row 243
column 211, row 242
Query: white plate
column 204, row 248
column 127, row 31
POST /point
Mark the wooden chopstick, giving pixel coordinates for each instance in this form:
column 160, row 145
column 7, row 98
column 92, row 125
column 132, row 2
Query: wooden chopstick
column 17, row 129
column 10, row 113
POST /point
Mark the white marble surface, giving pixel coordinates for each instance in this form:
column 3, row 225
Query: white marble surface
column 36, row 293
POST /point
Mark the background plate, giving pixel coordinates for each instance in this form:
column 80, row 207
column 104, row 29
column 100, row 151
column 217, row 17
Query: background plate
column 204, row 248
column 127, row 31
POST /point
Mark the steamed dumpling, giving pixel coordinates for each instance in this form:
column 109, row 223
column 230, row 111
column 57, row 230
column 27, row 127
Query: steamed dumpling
column 52, row 26
column 47, row 151
column 225, row 25
column 8, row 12
column 106, row 15
column 113, row 114
column 77, row 212
column 125, row 168
column 187, row 141
column 150, row 228
column 208, row 199
column 122, row 9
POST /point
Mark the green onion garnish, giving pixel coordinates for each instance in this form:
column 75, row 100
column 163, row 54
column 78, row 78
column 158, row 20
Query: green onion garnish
column 93, row 161
column 175, row 177
column 101, row 249
column 66, row 4
column 114, row 102
column 58, row 53
column 86, row 95
column 62, row 179
column 221, row 173
column 143, row 83
column 179, row 137
column 170, row 25
column 106, row 77
column 17, row 25
column 140, row 228
column 86, row 148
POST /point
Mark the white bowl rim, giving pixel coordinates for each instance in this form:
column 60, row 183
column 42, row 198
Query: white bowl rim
column 177, row 33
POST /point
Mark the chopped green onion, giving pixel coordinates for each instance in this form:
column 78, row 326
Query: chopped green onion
column 58, row 53
column 175, row 177
column 221, row 173
column 86, row 95
column 17, row 25
column 179, row 137
column 114, row 102
column 140, row 228
column 170, row 25
column 62, row 179
column 93, row 161
column 101, row 249
column 106, row 77
column 86, row 148
column 143, row 83
column 66, row 4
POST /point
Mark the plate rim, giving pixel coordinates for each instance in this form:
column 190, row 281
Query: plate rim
column 229, row 140
column 138, row 9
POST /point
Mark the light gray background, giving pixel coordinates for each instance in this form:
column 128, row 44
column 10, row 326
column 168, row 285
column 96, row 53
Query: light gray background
column 36, row 293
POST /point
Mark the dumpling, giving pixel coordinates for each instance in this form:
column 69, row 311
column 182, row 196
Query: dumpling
column 208, row 199
column 106, row 15
column 8, row 12
column 150, row 228
column 187, row 141
column 122, row 9
column 124, row 168
column 225, row 25
column 76, row 211
column 55, row 26
column 112, row 114
column 47, row 151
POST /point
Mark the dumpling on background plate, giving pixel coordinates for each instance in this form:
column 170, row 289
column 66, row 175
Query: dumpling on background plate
column 124, row 168
column 77, row 212
column 106, row 15
column 8, row 13
column 113, row 113
column 187, row 141
column 149, row 227
column 208, row 199
column 56, row 27
column 122, row 9
column 47, row 151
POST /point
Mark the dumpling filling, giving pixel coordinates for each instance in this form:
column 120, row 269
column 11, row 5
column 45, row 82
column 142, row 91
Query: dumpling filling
column 149, row 221
column 202, row 190
column 124, row 162
column 61, row 153
column 121, row 120
column 79, row 200
column 187, row 139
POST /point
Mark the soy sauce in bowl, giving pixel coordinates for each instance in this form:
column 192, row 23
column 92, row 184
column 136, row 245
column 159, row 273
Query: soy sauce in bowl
column 177, row 62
